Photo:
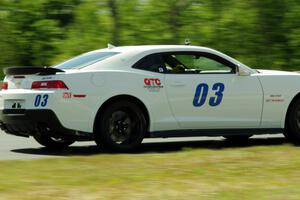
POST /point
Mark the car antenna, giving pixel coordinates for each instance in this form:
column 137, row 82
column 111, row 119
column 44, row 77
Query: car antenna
column 110, row 46
column 187, row 41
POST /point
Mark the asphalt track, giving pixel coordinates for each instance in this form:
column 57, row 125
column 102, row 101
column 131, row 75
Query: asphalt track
column 18, row 148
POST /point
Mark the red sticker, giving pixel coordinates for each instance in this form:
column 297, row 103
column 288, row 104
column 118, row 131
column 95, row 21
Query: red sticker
column 67, row 95
column 152, row 82
column 79, row 95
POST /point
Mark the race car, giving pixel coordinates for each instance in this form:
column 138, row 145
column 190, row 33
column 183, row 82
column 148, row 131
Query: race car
column 118, row 96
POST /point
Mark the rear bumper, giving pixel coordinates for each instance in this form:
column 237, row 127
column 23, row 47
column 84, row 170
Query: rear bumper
column 22, row 122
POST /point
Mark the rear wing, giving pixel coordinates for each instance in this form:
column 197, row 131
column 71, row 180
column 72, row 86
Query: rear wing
column 31, row 70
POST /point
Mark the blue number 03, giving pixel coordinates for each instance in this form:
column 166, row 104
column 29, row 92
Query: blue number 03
column 219, row 88
column 41, row 100
column 202, row 92
column 200, row 95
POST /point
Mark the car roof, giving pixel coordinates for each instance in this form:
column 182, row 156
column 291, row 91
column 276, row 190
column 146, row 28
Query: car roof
column 143, row 48
column 126, row 51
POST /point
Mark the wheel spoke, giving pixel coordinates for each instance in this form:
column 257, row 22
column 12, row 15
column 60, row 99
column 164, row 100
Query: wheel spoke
column 120, row 127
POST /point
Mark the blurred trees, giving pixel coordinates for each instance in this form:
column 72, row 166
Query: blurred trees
column 262, row 34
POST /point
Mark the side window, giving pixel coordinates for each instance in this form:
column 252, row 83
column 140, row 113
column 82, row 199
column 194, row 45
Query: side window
column 152, row 63
column 188, row 63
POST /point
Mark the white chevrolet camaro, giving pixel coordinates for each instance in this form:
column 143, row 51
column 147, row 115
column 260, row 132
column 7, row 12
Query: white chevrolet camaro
column 120, row 95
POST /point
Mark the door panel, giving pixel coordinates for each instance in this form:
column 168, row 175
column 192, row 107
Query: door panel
column 209, row 101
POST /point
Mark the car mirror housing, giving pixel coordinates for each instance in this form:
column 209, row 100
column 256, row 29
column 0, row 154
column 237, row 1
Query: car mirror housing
column 242, row 72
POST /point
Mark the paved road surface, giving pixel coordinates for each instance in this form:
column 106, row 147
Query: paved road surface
column 12, row 147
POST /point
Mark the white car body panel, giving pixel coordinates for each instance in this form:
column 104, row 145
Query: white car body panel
column 280, row 88
column 241, row 106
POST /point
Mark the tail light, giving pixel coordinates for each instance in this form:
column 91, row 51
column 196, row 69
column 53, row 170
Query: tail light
column 48, row 85
column 4, row 85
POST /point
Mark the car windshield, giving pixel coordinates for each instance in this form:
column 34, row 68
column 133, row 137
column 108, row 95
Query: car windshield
column 84, row 60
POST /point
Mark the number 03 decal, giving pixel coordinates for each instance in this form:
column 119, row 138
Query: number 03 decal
column 41, row 100
column 202, row 92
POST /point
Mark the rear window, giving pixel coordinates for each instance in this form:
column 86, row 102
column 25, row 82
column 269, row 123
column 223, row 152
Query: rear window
column 84, row 60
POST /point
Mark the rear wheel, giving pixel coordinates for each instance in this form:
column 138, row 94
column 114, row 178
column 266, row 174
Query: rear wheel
column 53, row 143
column 292, row 129
column 121, row 127
column 237, row 137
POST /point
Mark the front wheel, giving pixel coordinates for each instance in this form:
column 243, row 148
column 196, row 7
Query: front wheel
column 53, row 143
column 292, row 129
column 120, row 127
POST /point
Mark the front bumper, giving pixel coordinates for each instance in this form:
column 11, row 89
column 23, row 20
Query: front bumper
column 22, row 122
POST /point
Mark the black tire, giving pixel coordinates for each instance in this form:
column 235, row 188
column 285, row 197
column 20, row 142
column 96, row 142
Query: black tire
column 292, row 129
column 237, row 138
column 121, row 127
column 53, row 143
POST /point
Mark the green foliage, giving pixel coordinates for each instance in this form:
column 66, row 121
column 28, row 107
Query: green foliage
column 262, row 34
column 89, row 31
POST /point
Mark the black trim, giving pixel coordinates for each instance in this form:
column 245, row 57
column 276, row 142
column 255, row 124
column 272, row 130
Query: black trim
column 205, row 54
column 214, row 132
column 31, row 70
column 14, row 111
column 23, row 122
column 138, row 64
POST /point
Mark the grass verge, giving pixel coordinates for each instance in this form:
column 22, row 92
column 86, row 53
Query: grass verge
column 269, row 172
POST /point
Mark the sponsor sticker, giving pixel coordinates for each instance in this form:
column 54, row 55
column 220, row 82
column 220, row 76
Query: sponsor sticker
column 67, row 95
column 153, row 84
column 47, row 78
column 275, row 98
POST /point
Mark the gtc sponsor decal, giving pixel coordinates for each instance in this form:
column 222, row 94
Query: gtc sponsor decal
column 153, row 84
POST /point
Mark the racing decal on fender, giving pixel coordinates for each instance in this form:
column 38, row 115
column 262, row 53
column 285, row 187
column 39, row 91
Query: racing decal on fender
column 67, row 95
column 152, row 84
column 79, row 95
column 275, row 99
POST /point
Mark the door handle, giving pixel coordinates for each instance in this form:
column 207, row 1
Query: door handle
column 177, row 84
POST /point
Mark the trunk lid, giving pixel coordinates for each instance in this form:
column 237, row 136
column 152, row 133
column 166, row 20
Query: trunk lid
column 22, row 77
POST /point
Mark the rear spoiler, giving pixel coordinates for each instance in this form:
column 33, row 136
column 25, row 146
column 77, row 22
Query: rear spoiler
column 31, row 70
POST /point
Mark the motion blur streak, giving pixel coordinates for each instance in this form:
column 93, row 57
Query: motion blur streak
column 262, row 34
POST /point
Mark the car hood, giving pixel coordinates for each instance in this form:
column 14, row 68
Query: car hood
column 276, row 72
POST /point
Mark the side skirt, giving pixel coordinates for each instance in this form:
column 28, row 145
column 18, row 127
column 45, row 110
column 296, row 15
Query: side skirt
column 213, row 132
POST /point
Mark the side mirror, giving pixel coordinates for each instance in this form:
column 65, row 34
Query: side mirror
column 242, row 72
